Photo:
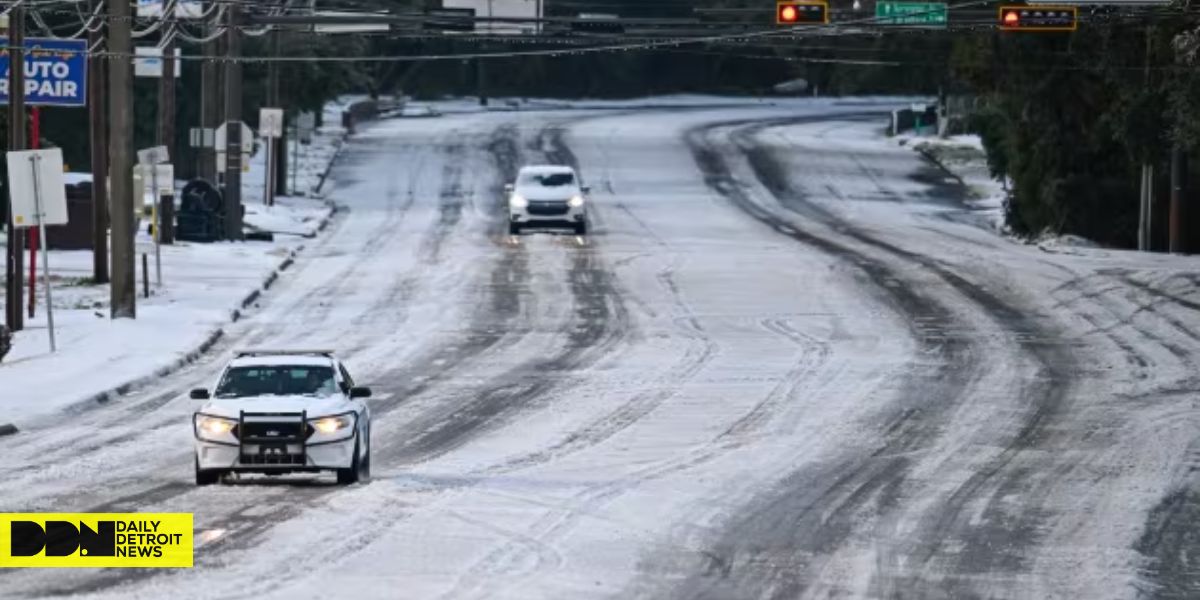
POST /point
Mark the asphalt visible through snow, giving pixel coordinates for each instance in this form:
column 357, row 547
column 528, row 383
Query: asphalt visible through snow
column 784, row 364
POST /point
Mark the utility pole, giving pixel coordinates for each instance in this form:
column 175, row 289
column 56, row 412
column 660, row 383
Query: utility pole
column 275, row 100
column 98, row 140
column 164, row 229
column 120, row 169
column 233, row 124
column 1146, row 212
column 481, row 80
column 1179, row 159
column 272, row 143
column 1185, row 47
column 210, row 104
column 15, row 265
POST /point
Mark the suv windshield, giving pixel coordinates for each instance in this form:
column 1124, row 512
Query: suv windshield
column 548, row 179
column 241, row 382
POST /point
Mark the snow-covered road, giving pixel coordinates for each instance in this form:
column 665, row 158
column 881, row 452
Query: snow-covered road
column 788, row 363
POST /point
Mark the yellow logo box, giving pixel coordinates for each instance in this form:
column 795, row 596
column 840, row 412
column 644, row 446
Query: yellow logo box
column 66, row 540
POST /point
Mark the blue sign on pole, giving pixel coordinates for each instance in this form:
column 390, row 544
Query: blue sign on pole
column 55, row 72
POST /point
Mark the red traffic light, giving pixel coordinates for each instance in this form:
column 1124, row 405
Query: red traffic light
column 800, row 12
column 1039, row 18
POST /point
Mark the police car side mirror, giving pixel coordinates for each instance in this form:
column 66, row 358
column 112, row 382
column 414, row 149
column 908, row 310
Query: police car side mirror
column 508, row 187
column 199, row 394
column 360, row 392
column 587, row 189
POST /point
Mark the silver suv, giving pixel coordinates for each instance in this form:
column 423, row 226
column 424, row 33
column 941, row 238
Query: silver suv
column 547, row 197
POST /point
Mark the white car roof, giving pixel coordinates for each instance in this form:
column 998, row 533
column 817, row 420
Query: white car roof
column 546, row 169
column 283, row 360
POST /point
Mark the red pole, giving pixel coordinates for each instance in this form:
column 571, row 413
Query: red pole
column 35, row 126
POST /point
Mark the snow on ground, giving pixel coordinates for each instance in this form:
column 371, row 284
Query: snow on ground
column 203, row 286
column 965, row 157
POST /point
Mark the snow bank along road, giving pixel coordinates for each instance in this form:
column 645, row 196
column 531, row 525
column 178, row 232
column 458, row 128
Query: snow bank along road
column 786, row 365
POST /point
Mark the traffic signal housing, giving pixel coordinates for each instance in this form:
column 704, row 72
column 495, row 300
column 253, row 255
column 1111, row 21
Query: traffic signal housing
column 801, row 12
column 1039, row 18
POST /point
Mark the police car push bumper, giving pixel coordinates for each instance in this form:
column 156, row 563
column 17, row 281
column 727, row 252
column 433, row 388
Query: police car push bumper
column 265, row 442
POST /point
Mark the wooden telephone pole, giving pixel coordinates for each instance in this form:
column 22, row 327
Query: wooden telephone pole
column 98, row 140
column 123, row 288
column 233, row 125
column 15, row 263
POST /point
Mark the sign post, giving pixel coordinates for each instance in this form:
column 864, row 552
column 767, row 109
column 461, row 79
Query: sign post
column 39, row 198
column 151, row 158
column 270, row 127
column 35, row 136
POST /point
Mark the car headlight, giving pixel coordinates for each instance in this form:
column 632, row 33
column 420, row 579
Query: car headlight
column 333, row 429
column 576, row 201
column 333, row 424
column 517, row 201
column 215, row 429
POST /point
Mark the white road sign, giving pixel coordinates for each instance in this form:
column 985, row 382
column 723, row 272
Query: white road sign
column 154, row 156
column 149, row 63
column 35, row 177
column 201, row 137
column 270, row 122
column 163, row 174
column 306, row 123
column 247, row 147
column 247, row 139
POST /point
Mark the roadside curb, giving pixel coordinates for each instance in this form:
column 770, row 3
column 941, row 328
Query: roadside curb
column 214, row 336
column 217, row 334
column 931, row 157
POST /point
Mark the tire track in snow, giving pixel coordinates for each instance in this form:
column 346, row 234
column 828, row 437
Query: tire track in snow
column 803, row 526
column 779, row 543
column 289, row 498
column 1002, row 477
column 600, row 321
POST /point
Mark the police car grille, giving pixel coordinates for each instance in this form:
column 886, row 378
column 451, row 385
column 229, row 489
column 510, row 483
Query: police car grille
column 265, row 431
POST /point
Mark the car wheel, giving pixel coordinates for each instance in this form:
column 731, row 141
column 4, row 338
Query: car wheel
column 581, row 229
column 514, row 229
column 350, row 476
column 206, row 476
column 364, row 474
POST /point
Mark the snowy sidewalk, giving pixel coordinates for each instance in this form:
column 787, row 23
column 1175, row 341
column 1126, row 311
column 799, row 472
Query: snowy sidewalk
column 963, row 157
column 205, row 285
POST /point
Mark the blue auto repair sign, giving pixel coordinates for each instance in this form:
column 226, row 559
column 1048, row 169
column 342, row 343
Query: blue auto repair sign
column 55, row 72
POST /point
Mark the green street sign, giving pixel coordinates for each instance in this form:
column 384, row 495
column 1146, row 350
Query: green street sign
column 911, row 13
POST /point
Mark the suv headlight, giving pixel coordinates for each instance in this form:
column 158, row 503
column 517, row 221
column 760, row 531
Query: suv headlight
column 576, row 201
column 517, row 201
column 334, row 428
column 215, row 429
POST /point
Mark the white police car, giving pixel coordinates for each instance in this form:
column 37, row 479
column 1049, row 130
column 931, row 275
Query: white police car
column 279, row 412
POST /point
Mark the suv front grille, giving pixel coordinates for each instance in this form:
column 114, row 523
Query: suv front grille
column 548, row 208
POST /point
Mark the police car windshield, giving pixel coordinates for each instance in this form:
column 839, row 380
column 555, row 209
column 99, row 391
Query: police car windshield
column 243, row 382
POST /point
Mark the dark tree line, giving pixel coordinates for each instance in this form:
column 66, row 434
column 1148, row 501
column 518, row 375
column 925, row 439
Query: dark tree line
column 1069, row 118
